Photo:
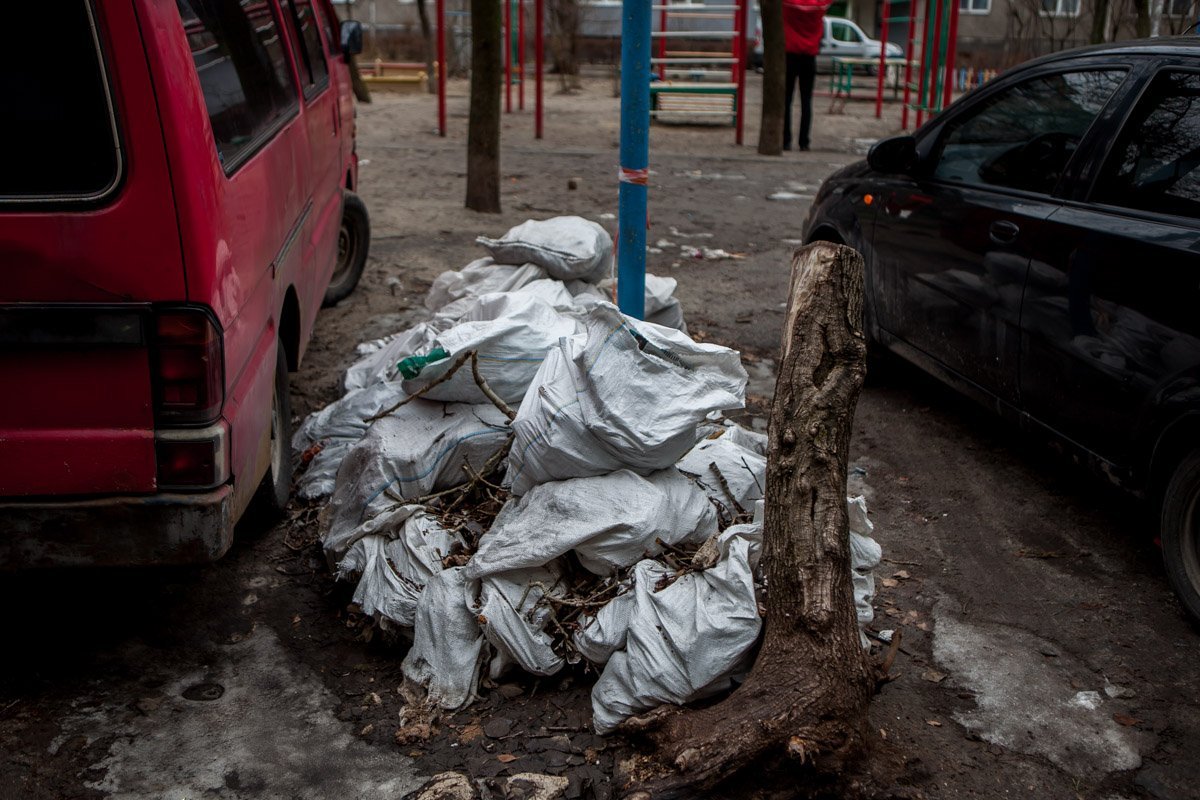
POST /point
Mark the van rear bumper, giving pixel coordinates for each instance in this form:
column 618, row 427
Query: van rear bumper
column 117, row 531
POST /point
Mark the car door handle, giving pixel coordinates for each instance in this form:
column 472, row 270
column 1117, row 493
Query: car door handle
column 1003, row 232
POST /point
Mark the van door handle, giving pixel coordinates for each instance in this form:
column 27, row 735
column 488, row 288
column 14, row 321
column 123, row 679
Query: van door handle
column 1003, row 232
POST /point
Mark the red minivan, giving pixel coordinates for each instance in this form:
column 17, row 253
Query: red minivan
column 176, row 204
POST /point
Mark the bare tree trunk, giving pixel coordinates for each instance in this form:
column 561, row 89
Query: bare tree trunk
column 564, row 42
column 427, row 38
column 361, row 93
column 1099, row 21
column 808, row 691
column 483, row 125
column 774, row 80
column 1142, row 25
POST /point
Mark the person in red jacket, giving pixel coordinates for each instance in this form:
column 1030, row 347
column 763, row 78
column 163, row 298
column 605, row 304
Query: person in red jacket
column 803, row 29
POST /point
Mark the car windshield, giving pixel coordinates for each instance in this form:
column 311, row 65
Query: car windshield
column 57, row 114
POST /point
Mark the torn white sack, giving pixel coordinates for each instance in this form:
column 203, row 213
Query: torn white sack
column 662, row 306
column 337, row 427
column 744, row 470
column 686, row 641
column 379, row 364
column 865, row 555
column 514, row 620
column 419, row 448
column 610, row 521
column 624, row 394
column 393, row 558
column 482, row 276
column 510, row 333
column 448, row 647
column 566, row 247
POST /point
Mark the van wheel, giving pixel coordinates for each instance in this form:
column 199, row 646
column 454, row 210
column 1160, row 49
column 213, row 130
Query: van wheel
column 1181, row 533
column 354, row 240
column 272, row 495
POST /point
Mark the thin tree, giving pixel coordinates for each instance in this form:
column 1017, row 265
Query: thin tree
column 806, row 696
column 483, row 125
column 427, row 38
column 774, row 80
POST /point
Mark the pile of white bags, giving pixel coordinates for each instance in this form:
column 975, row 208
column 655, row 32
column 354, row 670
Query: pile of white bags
column 619, row 463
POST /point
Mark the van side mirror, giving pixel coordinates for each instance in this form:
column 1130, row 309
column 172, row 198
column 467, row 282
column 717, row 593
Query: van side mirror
column 895, row 154
column 352, row 37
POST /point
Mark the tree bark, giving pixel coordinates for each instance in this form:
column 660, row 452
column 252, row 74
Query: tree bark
column 564, row 42
column 427, row 38
column 774, row 80
column 1099, row 21
column 361, row 93
column 807, row 693
column 1141, row 24
column 483, row 125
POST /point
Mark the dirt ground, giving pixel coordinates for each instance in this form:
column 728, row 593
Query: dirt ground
column 1042, row 654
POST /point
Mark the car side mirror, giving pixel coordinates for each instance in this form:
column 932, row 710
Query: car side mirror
column 352, row 37
column 895, row 154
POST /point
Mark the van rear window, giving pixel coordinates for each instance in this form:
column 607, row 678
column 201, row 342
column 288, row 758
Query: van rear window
column 57, row 131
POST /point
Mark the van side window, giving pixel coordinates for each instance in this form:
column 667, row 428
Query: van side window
column 1155, row 165
column 243, row 70
column 314, row 72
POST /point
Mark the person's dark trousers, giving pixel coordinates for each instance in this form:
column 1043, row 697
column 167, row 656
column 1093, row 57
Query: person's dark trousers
column 801, row 68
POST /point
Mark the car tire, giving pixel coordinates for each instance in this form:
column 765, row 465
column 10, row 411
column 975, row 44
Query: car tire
column 1180, row 533
column 272, row 495
column 354, row 241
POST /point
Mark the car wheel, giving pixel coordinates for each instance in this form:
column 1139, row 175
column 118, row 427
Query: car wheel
column 272, row 495
column 354, row 240
column 1181, row 533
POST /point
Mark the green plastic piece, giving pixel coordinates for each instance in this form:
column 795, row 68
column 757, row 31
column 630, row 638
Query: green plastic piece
column 411, row 367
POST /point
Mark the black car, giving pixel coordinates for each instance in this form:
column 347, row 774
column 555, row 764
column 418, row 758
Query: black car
column 1037, row 246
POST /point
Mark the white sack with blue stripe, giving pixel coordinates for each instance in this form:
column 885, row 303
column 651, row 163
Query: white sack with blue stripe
column 418, row 449
column 510, row 332
column 624, row 394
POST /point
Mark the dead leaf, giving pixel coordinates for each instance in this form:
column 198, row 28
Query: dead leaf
column 1126, row 720
column 933, row 676
column 935, row 723
column 902, row 574
column 893, row 612
column 923, row 626
column 296, row 620
column 506, row 758
column 470, row 733
column 890, row 583
column 367, row 730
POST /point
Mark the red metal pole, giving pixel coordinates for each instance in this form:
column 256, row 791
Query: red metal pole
column 441, row 66
column 740, row 24
column 951, row 54
column 883, row 34
column 662, row 40
column 521, row 54
column 507, row 56
column 908, row 58
column 539, row 15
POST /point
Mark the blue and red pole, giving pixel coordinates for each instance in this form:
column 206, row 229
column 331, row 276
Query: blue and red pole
column 635, row 157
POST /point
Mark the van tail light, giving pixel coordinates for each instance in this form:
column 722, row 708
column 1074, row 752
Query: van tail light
column 192, row 459
column 188, row 367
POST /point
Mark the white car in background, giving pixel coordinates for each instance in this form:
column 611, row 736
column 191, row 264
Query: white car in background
column 842, row 38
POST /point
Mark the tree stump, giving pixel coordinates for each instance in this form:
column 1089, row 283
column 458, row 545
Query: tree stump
column 807, row 694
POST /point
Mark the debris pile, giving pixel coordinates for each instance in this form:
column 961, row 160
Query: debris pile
column 530, row 479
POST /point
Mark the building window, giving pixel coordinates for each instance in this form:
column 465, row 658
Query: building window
column 974, row 6
column 1060, row 8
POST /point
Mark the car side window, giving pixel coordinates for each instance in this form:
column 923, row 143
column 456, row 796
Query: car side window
column 243, row 70
column 1024, row 136
column 1155, row 165
column 314, row 71
column 844, row 33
